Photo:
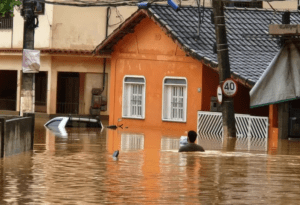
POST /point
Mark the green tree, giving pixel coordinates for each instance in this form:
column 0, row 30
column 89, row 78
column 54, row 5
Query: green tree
column 8, row 6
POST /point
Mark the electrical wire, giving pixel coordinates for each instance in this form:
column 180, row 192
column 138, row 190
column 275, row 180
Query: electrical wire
column 119, row 16
column 100, row 3
column 271, row 6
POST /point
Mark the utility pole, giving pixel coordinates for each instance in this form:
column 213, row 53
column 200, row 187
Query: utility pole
column 229, row 130
column 28, row 79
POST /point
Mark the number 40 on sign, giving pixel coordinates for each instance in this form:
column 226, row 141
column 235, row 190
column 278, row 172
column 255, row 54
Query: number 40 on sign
column 229, row 87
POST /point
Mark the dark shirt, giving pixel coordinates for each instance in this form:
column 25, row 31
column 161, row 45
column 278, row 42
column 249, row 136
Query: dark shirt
column 191, row 147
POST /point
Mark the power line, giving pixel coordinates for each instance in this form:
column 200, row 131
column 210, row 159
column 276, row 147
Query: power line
column 98, row 3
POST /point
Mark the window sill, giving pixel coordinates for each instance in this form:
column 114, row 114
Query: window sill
column 133, row 118
column 169, row 120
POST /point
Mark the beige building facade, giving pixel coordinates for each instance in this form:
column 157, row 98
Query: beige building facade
column 291, row 5
column 66, row 37
column 280, row 5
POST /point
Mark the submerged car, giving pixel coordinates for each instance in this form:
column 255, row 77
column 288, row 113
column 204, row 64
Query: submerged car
column 58, row 124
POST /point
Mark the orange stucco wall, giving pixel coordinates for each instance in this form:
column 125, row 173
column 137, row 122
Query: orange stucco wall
column 154, row 72
column 149, row 52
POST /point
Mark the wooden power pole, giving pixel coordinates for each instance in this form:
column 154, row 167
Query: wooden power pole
column 28, row 84
column 229, row 130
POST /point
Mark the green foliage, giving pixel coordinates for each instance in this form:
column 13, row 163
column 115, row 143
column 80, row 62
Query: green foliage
column 8, row 6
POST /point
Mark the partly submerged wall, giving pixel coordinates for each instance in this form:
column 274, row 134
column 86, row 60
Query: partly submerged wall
column 16, row 134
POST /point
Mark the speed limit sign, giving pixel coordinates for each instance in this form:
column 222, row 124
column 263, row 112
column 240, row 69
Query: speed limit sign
column 229, row 87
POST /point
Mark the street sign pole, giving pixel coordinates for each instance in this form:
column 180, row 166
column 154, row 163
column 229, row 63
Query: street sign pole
column 229, row 130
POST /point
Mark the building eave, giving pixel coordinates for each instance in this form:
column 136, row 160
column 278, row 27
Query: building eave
column 56, row 52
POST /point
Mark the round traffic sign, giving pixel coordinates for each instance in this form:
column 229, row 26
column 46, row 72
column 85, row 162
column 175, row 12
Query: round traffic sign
column 229, row 87
column 219, row 94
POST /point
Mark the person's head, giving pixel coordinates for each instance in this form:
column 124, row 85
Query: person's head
column 192, row 135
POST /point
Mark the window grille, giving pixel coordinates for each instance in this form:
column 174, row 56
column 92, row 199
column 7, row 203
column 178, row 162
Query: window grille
column 177, row 103
column 6, row 22
column 136, row 100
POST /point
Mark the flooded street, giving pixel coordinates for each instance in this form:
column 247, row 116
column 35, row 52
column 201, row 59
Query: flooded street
column 80, row 169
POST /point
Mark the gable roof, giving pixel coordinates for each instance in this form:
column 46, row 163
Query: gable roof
column 250, row 48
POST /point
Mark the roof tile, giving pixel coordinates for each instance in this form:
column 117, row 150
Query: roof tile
column 249, row 56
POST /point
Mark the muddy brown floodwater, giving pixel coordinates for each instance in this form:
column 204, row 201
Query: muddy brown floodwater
column 80, row 169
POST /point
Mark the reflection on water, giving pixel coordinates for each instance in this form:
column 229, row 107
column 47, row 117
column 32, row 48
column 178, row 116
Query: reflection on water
column 132, row 141
column 242, row 143
column 168, row 143
column 80, row 169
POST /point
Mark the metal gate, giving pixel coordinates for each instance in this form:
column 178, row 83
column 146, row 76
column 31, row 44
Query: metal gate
column 251, row 131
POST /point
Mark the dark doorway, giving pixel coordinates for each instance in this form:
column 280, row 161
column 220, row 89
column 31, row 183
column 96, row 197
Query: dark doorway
column 294, row 118
column 67, row 93
column 41, row 80
column 8, row 89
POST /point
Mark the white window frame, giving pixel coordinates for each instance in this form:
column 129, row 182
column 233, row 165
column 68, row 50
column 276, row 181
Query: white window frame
column 169, row 96
column 127, row 104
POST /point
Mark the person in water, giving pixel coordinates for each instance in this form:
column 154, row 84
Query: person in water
column 191, row 146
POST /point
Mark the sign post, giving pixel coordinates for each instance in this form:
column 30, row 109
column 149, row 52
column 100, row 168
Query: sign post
column 229, row 130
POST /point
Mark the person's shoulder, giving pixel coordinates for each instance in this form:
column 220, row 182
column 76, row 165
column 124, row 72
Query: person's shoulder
column 183, row 148
column 199, row 148
column 191, row 147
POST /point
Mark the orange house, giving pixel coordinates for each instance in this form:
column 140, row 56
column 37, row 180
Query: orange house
column 158, row 80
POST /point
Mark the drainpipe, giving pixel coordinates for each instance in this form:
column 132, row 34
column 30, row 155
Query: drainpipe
column 106, row 33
